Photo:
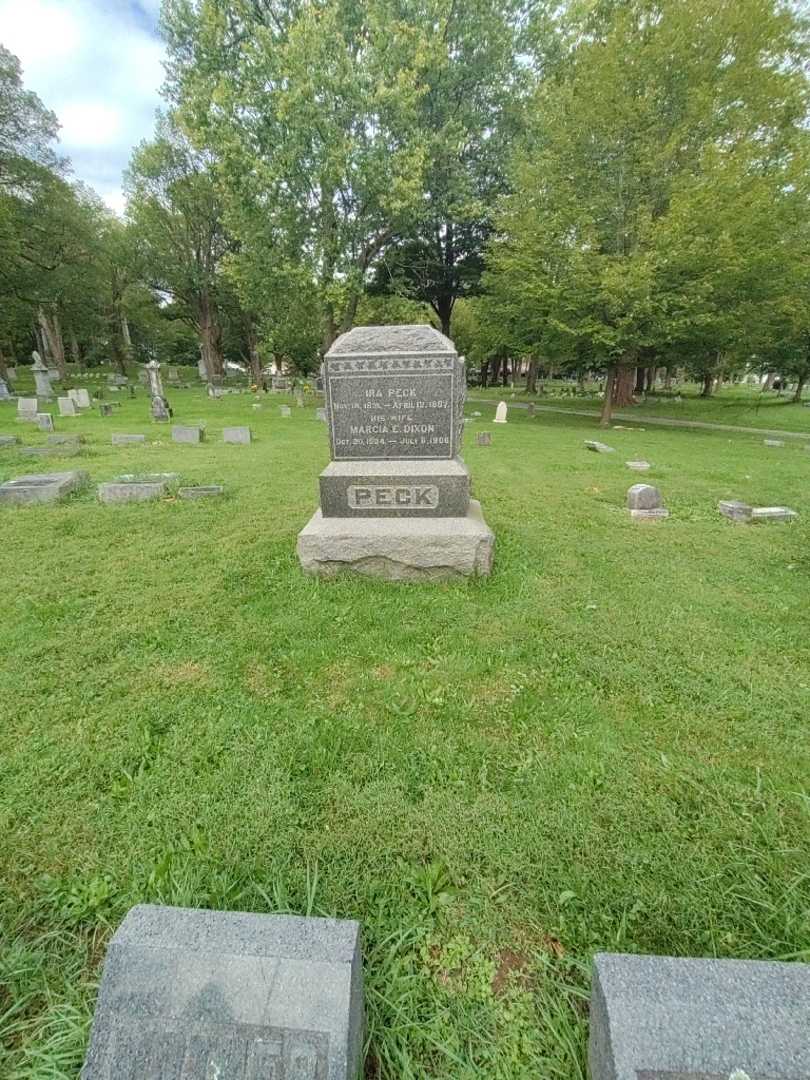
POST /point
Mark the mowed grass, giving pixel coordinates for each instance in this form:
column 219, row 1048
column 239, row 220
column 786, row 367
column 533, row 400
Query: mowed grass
column 602, row 747
column 739, row 406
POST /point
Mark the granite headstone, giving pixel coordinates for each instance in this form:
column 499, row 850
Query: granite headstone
column 200, row 995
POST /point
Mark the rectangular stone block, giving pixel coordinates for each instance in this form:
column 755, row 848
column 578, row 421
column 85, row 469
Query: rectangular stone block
column 188, row 434
column 395, row 489
column 483, row 438
column 41, row 488
column 81, row 397
column 394, row 392
column 662, row 1018
column 44, row 421
column 105, row 409
column 7, row 440
column 202, row 491
column 27, row 408
column 120, row 491
column 64, row 440
column 598, row 447
column 200, row 995
column 735, row 510
column 236, row 435
column 67, row 406
column 773, row 513
column 398, row 549
column 127, row 440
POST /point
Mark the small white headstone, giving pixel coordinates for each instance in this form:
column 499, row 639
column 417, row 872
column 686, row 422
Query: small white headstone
column 500, row 413
column 27, row 408
column 67, row 406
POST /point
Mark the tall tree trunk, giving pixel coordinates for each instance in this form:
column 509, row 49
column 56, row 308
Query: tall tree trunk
column 668, row 379
column 210, row 336
column 624, row 381
column 531, row 376
column 797, row 394
column 708, row 386
column 607, row 402
column 769, row 381
column 3, row 365
column 52, row 332
column 505, row 370
column 652, row 374
column 75, row 353
column 641, row 374
column 349, row 312
column 253, row 354
column 126, row 342
column 484, row 376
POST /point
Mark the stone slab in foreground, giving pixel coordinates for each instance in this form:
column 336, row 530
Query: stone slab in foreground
column 398, row 549
column 661, row 1018
column 194, row 995
column 41, row 487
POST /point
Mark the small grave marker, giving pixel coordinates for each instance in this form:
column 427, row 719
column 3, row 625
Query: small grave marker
column 127, row 440
column 773, row 513
column 638, row 466
column 67, row 406
column 484, row 438
column 236, row 435
column 197, row 995
column 285, row 410
column 44, row 421
column 645, row 503
column 27, row 409
column 500, row 413
column 188, row 433
column 41, row 488
column 201, row 491
column 598, row 447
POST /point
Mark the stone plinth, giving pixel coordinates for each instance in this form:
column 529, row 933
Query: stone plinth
column 27, row 409
column 735, row 510
column 41, row 488
column 394, row 392
column 120, row 491
column 395, row 489
column 773, row 513
column 8, row 440
column 201, row 491
column 661, row 1018
column 398, row 549
column 199, row 995
column 127, row 440
column 188, row 434
column 67, row 406
column 236, row 435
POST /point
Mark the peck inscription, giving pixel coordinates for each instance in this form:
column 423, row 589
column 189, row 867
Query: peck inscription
column 393, row 497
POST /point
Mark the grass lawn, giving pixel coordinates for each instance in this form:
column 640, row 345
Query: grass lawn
column 602, row 747
column 742, row 406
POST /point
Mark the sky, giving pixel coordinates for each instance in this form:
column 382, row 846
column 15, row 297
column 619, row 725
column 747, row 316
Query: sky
column 97, row 65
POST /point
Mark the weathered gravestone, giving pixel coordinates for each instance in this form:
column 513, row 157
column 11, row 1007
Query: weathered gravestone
column 236, row 435
column 4, row 391
column 127, row 440
column 645, row 503
column 735, row 510
column 638, row 466
column 41, row 377
column 7, row 440
column 44, row 421
column 661, row 1018
column 105, row 409
column 214, row 995
column 773, row 513
column 500, row 413
column 67, row 406
column 41, row 488
column 136, row 488
column 598, row 447
column 320, row 414
column 80, row 397
column 200, row 491
column 285, row 410
column 188, row 433
column 27, row 409
column 159, row 406
column 65, row 440
column 117, row 380
column 395, row 500
column 484, row 438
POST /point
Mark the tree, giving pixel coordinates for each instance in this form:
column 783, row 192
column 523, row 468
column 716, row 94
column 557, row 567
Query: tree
column 312, row 112
column 652, row 93
column 175, row 209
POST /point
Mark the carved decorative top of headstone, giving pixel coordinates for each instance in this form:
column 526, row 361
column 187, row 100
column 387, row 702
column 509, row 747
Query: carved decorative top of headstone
column 394, row 392
column 38, row 365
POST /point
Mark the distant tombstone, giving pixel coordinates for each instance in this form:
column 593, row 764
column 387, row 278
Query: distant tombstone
column 65, row 440
column 159, row 410
column 143, row 376
column 299, row 398
column 44, row 421
column 127, row 440
column 7, row 441
column 320, row 414
column 280, row 383
column 773, row 513
column 105, row 409
column 67, row 406
column 483, row 438
column 214, row 391
column 53, row 374
column 500, row 413
column 285, row 410
column 774, row 442
column 11, row 373
column 197, row 995
column 532, row 409
column 201, row 491
column 638, row 466
column 236, row 435
column 662, row 1018
column 4, row 391
column 159, row 407
column 202, row 371
column 27, row 408
column 644, row 502
column 132, row 490
column 41, row 378
column 598, row 447
column 173, row 374
column 41, row 488
column 81, row 397
column 735, row 510
column 188, row 434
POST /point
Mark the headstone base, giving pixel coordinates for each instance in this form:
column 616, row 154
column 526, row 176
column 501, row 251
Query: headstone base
column 398, row 549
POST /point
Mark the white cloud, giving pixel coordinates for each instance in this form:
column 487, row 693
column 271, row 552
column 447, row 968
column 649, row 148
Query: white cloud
column 97, row 64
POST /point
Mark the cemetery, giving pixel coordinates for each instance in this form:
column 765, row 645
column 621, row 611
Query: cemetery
column 404, row 515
